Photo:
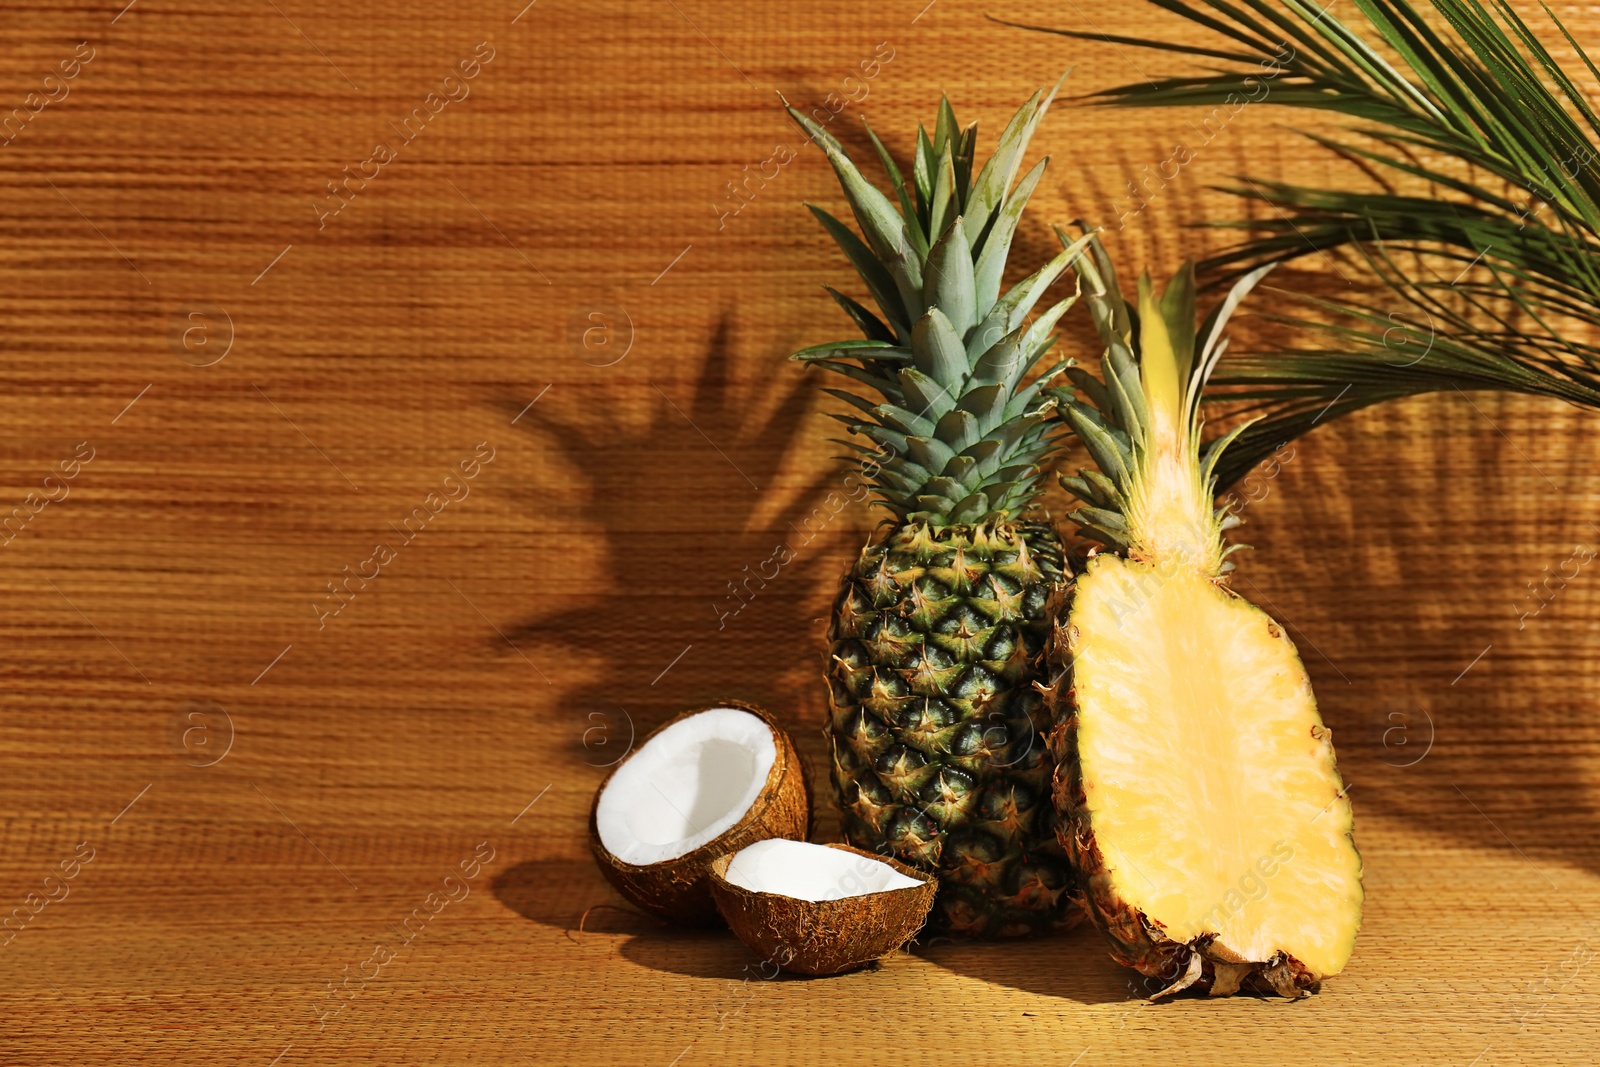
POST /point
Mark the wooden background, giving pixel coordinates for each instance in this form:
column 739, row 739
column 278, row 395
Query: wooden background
column 163, row 613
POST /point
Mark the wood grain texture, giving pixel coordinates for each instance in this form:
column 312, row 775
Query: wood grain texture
column 170, row 601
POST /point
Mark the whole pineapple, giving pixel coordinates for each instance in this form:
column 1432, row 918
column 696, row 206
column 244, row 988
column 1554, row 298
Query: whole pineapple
column 1196, row 784
column 939, row 629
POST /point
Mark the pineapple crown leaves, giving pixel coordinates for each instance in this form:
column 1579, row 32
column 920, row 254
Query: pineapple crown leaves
column 957, row 437
column 1140, row 420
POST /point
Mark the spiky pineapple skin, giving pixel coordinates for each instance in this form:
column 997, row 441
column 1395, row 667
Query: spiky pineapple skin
column 1136, row 940
column 937, row 724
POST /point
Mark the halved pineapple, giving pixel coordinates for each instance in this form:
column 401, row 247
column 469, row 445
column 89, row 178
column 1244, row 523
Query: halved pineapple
column 1197, row 785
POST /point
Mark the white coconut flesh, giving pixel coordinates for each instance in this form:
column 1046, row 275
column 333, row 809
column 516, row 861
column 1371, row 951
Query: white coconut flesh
column 687, row 786
column 811, row 872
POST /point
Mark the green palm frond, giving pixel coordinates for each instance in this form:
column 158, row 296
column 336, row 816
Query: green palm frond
column 1484, row 221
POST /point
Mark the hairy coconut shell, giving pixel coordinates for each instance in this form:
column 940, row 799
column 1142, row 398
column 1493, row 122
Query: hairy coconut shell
column 825, row 936
column 678, row 890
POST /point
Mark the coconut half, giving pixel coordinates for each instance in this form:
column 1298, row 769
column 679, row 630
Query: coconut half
column 820, row 909
column 707, row 783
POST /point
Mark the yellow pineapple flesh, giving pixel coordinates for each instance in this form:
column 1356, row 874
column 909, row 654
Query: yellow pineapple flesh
column 1197, row 790
column 1212, row 787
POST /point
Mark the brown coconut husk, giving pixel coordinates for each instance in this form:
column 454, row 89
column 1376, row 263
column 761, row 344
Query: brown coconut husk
column 678, row 890
column 824, row 936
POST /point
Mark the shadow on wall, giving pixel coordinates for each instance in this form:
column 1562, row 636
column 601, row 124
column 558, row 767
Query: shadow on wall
column 712, row 561
column 1399, row 545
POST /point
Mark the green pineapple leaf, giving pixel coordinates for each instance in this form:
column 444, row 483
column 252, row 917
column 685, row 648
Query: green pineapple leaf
column 962, row 429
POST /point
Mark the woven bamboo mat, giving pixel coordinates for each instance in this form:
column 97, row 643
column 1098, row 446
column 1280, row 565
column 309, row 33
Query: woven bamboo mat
column 537, row 316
